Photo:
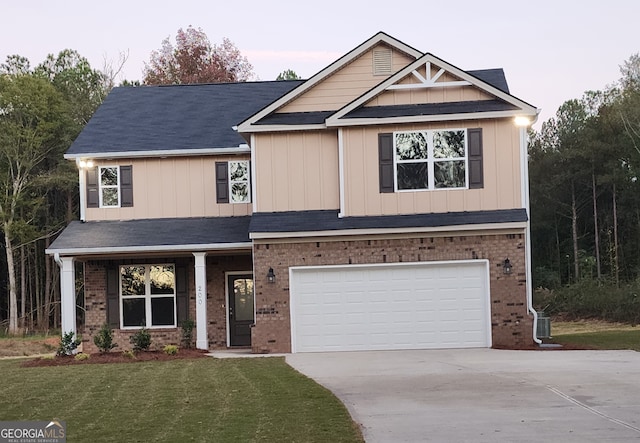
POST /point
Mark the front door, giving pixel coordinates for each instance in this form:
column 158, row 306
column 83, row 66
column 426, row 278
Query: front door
column 241, row 309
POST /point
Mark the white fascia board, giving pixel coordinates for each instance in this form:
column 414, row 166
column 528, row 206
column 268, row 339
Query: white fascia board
column 242, row 149
column 423, row 118
column 287, row 128
column 525, row 108
column 380, row 37
column 386, row 231
column 149, row 249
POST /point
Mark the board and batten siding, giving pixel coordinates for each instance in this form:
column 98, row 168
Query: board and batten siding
column 501, row 167
column 171, row 187
column 345, row 85
column 297, row 171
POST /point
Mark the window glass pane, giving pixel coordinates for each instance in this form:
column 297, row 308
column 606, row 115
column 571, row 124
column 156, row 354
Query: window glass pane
column 132, row 280
column 109, row 176
column 448, row 144
column 243, row 293
column 239, row 193
column 411, row 145
column 162, row 309
column 449, row 174
column 239, row 171
column 162, row 279
column 109, row 196
column 412, row 176
column 133, row 312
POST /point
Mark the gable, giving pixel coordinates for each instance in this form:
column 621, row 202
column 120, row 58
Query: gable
column 430, row 89
column 321, row 94
column 352, row 80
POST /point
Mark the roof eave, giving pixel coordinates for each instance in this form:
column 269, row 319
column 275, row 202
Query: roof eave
column 339, row 122
column 149, row 249
column 241, row 149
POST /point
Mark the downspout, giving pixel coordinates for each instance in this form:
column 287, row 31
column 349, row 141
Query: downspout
column 524, row 160
column 254, row 184
column 341, row 171
column 83, row 190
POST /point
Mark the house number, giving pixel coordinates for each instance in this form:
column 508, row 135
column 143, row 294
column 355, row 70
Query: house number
column 199, row 295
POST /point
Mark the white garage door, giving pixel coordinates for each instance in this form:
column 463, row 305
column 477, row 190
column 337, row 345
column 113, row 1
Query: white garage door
column 391, row 306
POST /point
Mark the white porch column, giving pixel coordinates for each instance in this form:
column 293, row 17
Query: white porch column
column 202, row 341
column 67, row 294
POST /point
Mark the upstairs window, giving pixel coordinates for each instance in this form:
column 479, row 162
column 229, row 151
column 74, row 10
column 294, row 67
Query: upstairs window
column 430, row 160
column 110, row 187
column 232, row 182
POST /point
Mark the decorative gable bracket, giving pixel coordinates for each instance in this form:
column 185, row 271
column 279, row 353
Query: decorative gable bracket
column 428, row 82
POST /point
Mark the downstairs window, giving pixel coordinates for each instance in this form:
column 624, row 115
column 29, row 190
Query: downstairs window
column 148, row 296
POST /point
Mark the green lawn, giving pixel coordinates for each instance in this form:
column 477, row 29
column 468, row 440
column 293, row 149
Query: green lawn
column 204, row 400
column 611, row 339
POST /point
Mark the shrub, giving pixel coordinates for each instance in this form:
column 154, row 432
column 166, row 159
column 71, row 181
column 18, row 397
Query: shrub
column 68, row 344
column 104, row 339
column 170, row 349
column 592, row 299
column 129, row 354
column 187, row 332
column 141, row 340
column 81, row 357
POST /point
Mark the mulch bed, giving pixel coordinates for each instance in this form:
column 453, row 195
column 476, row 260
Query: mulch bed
column 115, row 357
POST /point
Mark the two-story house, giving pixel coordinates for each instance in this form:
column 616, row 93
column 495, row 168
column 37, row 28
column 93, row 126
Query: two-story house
column 380, row 204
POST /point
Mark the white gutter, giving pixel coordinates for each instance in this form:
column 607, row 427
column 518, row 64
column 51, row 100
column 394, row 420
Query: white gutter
column 240, row 149
column 83, row 189
column 145, row 249
column 386, row 231
column 524, row 167
column 341, row 213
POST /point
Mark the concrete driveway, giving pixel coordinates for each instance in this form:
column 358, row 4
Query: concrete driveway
column 484, row 395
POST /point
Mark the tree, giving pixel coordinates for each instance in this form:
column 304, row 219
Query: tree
column 288, row 74
column 195, row 60
column 31, row 120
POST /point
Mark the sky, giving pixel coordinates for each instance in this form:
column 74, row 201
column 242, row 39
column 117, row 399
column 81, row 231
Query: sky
column 551, row 50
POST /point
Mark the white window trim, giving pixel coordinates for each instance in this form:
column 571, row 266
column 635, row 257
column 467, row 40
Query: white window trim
column 101, row 187
column 232, row 182
column 147, row 297
column 431, row 160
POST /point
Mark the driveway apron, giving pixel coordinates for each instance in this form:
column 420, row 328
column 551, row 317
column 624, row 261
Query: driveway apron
column 484, row 395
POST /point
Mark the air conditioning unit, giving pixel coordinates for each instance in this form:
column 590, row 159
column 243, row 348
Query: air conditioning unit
column 544, row 326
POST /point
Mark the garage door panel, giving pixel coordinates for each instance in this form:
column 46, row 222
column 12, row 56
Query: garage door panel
column 408, row 306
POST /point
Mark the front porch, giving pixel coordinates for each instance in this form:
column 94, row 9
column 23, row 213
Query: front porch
column 159, row 285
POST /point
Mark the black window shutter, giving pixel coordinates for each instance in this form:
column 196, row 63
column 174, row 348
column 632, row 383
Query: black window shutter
column 182, row 294
column 126, row 186
column 113, row 303
column 93, row 199
column 476, row 175
column 385, row 160
column 222, row 182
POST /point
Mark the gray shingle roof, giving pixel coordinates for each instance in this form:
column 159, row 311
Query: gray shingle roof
column 151, row 234
column 430, row 109
column 327, row 220
column 495, row 77
column 177, row 117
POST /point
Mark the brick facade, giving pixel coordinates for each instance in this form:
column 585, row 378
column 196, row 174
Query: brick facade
column 217, row 266
column 511, row 325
